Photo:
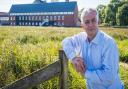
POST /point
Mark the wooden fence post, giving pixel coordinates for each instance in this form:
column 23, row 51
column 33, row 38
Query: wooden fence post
column 64, row 70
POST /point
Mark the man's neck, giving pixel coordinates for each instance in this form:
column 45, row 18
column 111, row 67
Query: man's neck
column 91, row 37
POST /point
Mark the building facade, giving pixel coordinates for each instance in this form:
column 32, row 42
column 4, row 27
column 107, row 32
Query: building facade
column 44, row 14
column 4, row 18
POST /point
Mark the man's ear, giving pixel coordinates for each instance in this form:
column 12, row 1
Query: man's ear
column 81, row 25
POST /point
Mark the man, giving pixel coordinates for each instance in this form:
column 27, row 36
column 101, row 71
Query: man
column 94, row 54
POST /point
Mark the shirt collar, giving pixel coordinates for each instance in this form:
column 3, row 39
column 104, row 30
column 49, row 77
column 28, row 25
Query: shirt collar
column 96, row 39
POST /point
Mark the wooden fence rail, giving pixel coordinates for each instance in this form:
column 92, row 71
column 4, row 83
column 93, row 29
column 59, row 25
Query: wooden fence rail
column 58, row 68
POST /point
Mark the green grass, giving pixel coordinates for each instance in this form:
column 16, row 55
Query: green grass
column 26, row 49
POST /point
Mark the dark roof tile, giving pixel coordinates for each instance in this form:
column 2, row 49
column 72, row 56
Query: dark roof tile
column 44, row 7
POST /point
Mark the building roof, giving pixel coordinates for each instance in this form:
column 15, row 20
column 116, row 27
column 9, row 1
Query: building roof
column 44, row 7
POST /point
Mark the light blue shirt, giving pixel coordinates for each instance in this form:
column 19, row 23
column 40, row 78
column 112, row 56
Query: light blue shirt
column 100, row 56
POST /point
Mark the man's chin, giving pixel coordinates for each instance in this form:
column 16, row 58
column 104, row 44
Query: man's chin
column 91, row 29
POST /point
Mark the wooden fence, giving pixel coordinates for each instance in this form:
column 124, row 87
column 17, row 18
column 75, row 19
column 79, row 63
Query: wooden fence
column 58, row 68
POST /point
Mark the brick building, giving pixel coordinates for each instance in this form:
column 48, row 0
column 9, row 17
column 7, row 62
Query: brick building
column 42, row 13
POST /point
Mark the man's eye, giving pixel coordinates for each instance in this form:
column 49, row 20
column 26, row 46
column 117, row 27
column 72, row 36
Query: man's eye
column 86, row 22
column 93, row 20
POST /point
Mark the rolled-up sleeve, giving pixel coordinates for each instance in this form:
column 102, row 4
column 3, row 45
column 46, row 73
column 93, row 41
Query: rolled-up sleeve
column 105, row 75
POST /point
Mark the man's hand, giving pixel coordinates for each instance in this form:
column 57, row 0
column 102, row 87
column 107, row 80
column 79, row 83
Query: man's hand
column 79, row 65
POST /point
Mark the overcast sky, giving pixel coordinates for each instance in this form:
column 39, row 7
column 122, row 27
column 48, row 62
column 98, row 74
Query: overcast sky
column 5, row 5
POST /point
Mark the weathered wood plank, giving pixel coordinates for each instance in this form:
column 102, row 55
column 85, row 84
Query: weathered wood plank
column 64, row 70
column 36, row 77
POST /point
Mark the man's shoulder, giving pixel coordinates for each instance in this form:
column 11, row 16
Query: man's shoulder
column 78, row 36
column 105, row 36
column 107, row 39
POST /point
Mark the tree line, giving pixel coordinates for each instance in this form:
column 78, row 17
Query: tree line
column 114, row 14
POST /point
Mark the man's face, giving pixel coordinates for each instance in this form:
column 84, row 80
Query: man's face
column 90, row 23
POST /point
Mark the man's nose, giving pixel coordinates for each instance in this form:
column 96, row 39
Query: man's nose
column 90, row 23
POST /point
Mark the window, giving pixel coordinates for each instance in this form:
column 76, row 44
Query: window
column 43, row 17
column 58, row 17
column 19, row 17
column 22, row 17
column 14, row 18
column 62, row 23
column 41, row 13
column 10, row 18
column 39, row 17
column 36, row 18
column 26, row 23
column 26, row 18
column 72, row 13
column 51, row 18
column 32, row 17
column 29, row 23
column 36, row 23
column 29, row 17
column 47, row 17
column 55, row 23
column 23, row 23
column 55, row 18
column 62, row 17
column 57, row 13
column 45, row 13
column 61, row 13
column 20, row 23
column 53, row 12
column 32, row 23
column 58, row 24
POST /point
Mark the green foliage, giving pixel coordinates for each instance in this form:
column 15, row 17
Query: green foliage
column 113, row 1
column 110, row 15
column 101, row 10
column 124, row 74
column 122, row 15
column 115, row 13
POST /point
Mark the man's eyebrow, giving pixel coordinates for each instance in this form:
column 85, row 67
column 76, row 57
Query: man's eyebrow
column 93, row 18
column 90, row 19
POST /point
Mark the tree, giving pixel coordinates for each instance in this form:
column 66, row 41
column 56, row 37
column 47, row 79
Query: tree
column 114, row 1
column 101, row 9
column 110, row 17
column 122, row 15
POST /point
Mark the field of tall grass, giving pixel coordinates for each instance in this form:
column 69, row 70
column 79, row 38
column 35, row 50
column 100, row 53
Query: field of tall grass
column 27, row 49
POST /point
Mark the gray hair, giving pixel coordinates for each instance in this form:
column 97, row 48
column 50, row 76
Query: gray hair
column 86, row 12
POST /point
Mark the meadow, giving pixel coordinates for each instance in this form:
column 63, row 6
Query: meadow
column 27, row 49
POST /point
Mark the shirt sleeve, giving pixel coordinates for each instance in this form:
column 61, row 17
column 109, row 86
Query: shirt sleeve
column 105, row 75
column 70, row 44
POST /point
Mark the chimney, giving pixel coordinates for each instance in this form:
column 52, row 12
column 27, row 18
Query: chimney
column 54, row 0
column 39, row 1
column 66, row 0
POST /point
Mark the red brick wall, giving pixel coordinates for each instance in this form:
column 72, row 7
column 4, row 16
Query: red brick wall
column 69, row 20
